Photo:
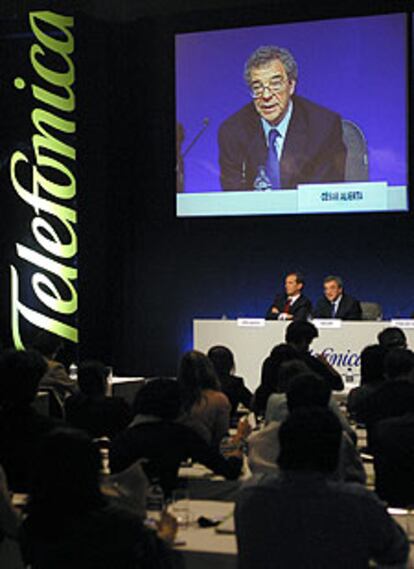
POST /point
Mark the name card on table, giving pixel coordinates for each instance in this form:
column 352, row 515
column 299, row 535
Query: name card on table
column 406, row 323
column 251, row 322
column 327, row 323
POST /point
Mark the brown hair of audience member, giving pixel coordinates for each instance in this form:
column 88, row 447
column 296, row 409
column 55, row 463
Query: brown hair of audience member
column 195, row 374
column 223, row 360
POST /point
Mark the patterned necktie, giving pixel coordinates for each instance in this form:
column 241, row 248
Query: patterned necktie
column 272, row 163
column 286, row 308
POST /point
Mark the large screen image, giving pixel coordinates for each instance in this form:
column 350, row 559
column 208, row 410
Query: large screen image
column 293, row 118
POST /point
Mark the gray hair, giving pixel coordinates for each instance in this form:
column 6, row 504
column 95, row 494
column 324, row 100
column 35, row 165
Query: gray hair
column 335, row 278
column 267, row 53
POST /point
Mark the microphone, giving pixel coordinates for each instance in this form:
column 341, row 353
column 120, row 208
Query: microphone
column 206, row 122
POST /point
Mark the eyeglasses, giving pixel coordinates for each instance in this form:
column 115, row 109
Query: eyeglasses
column 257, row 88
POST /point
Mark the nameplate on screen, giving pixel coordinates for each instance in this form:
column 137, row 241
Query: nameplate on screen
column 405, row 323
column 344, row 197
column 327, row 322
column 251, row 322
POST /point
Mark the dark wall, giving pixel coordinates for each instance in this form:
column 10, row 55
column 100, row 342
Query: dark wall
column 144, row 275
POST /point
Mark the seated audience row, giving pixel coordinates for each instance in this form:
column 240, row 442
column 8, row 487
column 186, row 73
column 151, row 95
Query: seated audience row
column 300, row 491
column 298, row 336
column 304, row 389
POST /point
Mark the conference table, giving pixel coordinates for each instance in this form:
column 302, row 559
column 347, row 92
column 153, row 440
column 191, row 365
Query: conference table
column 204, row 548
column 251, row 340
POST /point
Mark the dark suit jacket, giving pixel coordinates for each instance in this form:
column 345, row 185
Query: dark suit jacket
column 165, row 445
column 100, row 416
column 348, row 309
column 313, row 150
column 393, row 447
column 300, row 309
column 233, row 386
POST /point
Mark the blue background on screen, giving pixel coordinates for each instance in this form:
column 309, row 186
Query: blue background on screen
column 356, row 67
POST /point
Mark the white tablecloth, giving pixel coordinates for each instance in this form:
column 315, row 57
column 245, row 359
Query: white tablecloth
column 252, row 344
column 204, row 548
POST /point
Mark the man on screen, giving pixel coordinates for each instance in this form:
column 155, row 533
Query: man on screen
column 336, row 303
column 292, row 305
column 279, row 140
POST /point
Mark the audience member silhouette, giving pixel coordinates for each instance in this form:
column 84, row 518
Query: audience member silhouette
column 92, row 409
column 300, row 336
column 56, row 376
column 372, row 375
column 304, row 390
column 154, row 435
column 204, row 406
column 301, row 518
column 393, row 448
column 395, row 396
column 232, row 385
column 391, row 338
column 270, row 381
column 71, row 524
column 21, row 426
column 276, row 408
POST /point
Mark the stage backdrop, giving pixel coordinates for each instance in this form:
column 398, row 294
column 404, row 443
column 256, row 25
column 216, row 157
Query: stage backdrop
column 144, row 275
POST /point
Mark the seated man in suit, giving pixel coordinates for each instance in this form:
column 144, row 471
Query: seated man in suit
column 299, row 518
column 336, row 303
column 292, row 305
column 279, row 139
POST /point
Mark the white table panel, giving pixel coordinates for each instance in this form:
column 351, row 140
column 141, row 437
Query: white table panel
column 252, row 344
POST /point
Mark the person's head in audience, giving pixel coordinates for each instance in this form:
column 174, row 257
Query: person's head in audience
column 289, row 370
column 159, row 397
column 47, row 344
column 271, row 369
column 20, row 375
column 307, row 390
column 93, row 379
column 300, row 335
column 310, row 439
column 372, row 364
column 399, row 363
column 196, row 373
column 223, row 360
column 66, row 475
column 391, row 338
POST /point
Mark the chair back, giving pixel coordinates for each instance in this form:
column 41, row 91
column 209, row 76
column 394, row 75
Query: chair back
column 356, row 165
column 371, row 311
